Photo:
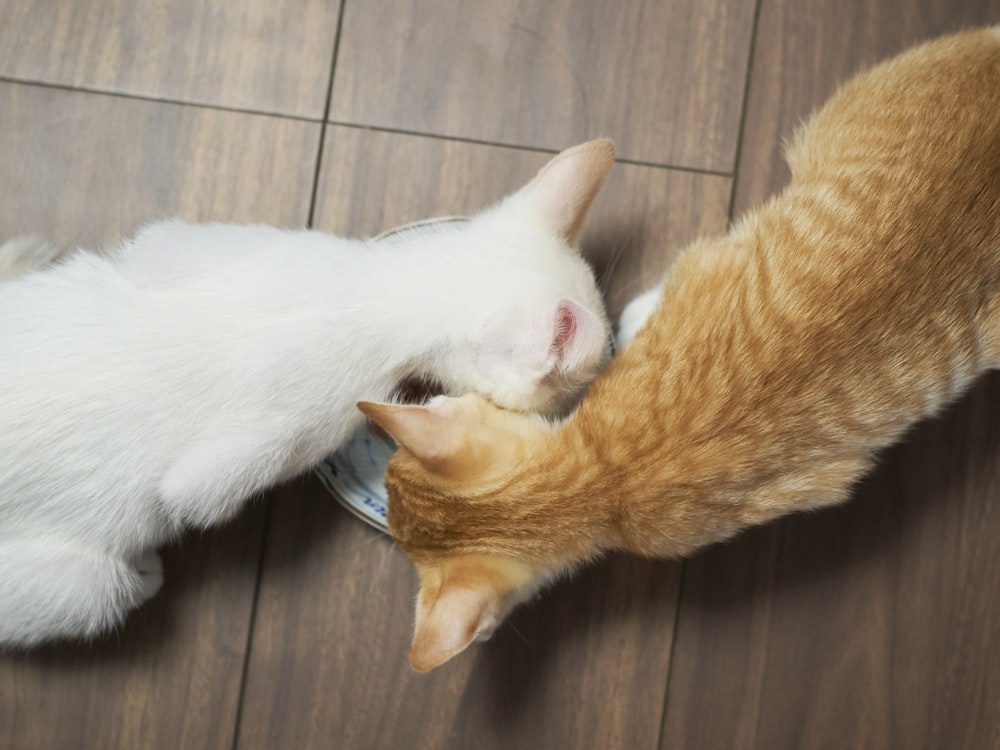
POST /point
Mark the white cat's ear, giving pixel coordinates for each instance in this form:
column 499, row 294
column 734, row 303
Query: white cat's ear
column 562, row 192
column 448, row 620
column 432, row 433
column 563, row 339
column 575, row 335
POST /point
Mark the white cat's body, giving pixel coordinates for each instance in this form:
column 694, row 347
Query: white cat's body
column 160, row 386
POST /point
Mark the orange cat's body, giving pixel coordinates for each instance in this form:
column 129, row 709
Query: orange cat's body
column 781, row 358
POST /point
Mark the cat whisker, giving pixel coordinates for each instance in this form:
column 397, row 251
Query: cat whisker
column 379, row 535
column 380, row 572
column 519, row 633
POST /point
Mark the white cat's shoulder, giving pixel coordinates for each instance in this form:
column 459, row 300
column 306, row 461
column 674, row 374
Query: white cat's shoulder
column 170, row 251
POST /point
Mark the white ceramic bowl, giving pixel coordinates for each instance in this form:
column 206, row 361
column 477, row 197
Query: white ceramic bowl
column 355, row 473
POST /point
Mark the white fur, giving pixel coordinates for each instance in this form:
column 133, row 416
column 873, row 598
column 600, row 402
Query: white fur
column 635, row 315
column 24, row 254
column 161, row 385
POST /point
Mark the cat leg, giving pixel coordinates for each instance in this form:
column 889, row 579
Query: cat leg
column 23, row 254
column 213, row 478
column 52, row 591
column 635, row 315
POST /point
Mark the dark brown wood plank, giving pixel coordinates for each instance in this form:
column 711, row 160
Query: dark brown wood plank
column 874, row 624
column 85, row 168
column 641, row 219
column 664, row 80
column 170, row 679
column 804, row 51
column 586, row 665
column 259, row 55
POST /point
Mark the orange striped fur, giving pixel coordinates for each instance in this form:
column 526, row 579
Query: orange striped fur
column 781, row 358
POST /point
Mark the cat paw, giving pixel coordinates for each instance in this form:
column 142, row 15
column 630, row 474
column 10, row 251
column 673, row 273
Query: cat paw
column 150, row 569
column 635, row 315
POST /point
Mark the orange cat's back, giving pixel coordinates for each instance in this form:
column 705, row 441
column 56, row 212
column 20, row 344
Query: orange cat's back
column 861, row 293
column 906, row 155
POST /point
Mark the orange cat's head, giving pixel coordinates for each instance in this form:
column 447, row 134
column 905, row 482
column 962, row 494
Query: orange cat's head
column 481, row 542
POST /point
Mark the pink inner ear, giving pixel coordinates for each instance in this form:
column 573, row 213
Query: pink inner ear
column 565, row 329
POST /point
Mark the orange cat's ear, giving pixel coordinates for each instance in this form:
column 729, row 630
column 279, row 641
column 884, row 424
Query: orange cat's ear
column 464, row 599
column 446, row 625
column 564, row 189
column 432, row 433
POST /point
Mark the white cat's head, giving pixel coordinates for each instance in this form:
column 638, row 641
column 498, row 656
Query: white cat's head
column 537, row 331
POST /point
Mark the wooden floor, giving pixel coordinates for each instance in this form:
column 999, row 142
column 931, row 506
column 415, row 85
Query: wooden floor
column 873, row 625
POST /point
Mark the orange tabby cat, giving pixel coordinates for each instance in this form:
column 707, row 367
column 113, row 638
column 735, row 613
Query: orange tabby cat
column 779, row 359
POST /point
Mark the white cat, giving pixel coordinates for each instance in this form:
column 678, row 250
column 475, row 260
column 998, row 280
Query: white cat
column 160, row 386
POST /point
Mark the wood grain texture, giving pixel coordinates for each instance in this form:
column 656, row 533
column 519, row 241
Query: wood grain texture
column 664, row 80
column 331, row 636
column 86, row 168
column 254, row 54
column 170, row 679
column 804, row 51
column 329, row 664
column 641, row 219
column 874, row 624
